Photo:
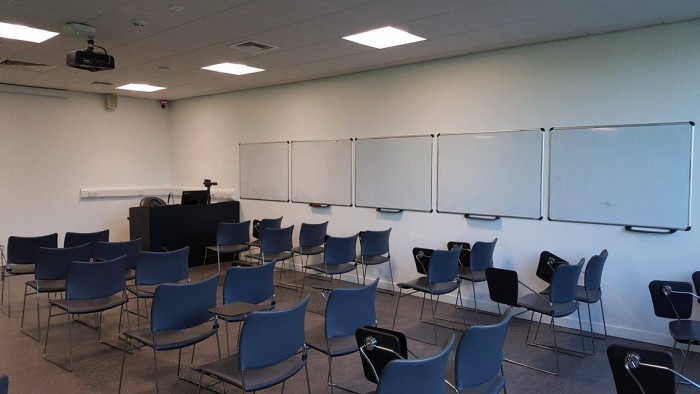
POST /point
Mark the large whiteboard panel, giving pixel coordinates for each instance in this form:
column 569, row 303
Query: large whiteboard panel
column 264, row 171
column 322, row 172
column 637, row 175
column 394, row 173
column 494, row 173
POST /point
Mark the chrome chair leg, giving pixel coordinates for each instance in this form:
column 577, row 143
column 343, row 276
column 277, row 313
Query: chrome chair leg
column 4, row 277
column 155, row 367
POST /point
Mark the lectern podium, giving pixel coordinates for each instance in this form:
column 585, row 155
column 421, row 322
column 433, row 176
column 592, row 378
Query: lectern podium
column 172, row 227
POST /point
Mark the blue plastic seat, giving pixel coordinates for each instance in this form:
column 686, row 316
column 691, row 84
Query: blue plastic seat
column 72, row 239
column 179, row 318
column 112, row 250
column 271, row 350
column 480, row 258
column 21, row 257
column 374, row 250
column 230, row 238
column 312, row 238
column 347, row 310
column 50, row 277
column 276, row 245
column 591, row 292
column 338, row 258
column 91, row 287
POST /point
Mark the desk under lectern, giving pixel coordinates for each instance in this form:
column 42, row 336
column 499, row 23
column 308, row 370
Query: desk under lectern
column 171, row 227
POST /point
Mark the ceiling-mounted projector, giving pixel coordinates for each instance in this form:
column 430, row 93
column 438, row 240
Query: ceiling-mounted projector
column 88, row 59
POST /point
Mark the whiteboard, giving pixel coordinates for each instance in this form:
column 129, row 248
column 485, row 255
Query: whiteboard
column 322, row 172
column 394, row 173
column 491, row 173
column 633, row 175
column 264, row 171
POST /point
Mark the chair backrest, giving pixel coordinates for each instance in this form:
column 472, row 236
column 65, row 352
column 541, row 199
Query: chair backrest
column 374, row 243
column 480, row 353
column 155, row 268
column 443, row 266
column 276, row 240
column 270, row 337
column 416, row 376
column 22, row 250
column 76, row 239
column 178, row 306
column 262, row 224
column 4, row 384
column 52, row 263
column 340, row 250
column 481, row 256
column 564, row 283
column 503, row 285
column 673, row 306
column 250, row 284
column 233, row 233
column 348, row 309
column 464, row 254
column 696, row 283
column 594, row 271
column 92, row 280
column 312, row 234
column 651, row 379
column 112, row 250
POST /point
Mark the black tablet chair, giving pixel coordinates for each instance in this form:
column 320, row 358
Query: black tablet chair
column 643, row 371
column 480, row 258
column 271, row 350
column 50, row 276
column 4, row 384
column 674, row 300
column 374, row 250
column 154, row 269
column 179, row 318
column 21, row 257
column 253, row 285
column 260, row 225
column 347, row 310
column 91, row 287
column 440, row 276
column 231, row 238
column 312, row 238
column 477, row 368
column 338, row 258
column 416, row 376
column 590, row 292
column 276, row 245
column 112, row 250
column 76, row 239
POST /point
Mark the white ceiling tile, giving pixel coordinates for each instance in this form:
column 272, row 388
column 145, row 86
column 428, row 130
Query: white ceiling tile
column 193, row 9
column 60, row 76
column 566, row 6
column 503, row 12
column 307, row 54
column 228, row 3
column 10, row 75
column 477, row 39
column 340, row 24
column 198, row 58
column 454, row 5
column 73, row 10
column 439, row 26
column 289, row 36
column 390, row 12
column 11, row 48
column 33, row 18
column 289, row 11
column 606, row 18
column 661, row 9
column 530, row 31
column 343, row 4
column 241, row 23
column 172, row 81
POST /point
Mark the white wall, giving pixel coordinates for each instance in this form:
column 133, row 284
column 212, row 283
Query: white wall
column 648, row 75
column 51, row 147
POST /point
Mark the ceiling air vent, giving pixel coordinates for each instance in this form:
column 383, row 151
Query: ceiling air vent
column 101, row 83
column 20, row 65
column 252, row 46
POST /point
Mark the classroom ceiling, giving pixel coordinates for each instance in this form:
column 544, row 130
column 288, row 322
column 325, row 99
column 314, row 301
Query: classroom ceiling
column 173, row 39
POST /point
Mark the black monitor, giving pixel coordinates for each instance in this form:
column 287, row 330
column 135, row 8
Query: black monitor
column 194, row 197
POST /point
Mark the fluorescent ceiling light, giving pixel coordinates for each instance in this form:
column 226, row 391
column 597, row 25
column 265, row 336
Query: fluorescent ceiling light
column 24, row 33
column 384, row 38
column 232, row 68
column 139, row 87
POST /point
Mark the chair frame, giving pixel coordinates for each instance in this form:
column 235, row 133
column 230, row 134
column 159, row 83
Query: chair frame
column 219, row 245
column 325, row 271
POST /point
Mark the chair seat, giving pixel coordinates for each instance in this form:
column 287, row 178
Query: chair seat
column 130, row 274
column 332, row 269
column 592, row 297
column 47, row 286
column 20, row 269
column 229, row 248
column 308, row 250
column 316, row 339
column 372, row 260
column 493, row 386
column 228, row 370
column 422, row 284
column 685, row 331
column 168, row 340
column 78, row 307
column 535, row 302
column 271, row 256
column 466, row 273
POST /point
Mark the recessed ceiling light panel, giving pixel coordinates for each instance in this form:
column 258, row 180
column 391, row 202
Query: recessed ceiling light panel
column 384, row 38
column 24, row 33
column 138, row 87
column 232, row 68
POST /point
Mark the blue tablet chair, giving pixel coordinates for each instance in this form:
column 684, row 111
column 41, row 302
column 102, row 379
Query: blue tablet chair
column 230, row 238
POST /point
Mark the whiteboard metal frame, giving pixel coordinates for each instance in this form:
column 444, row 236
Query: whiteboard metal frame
column 288, row 169
column 484, row 215
column 321, row 204
column 630, row 226
column 394, row 209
